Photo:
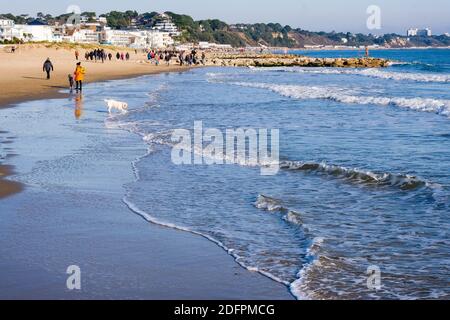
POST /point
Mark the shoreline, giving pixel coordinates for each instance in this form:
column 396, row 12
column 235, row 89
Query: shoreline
column 53, row 91
column 121, row 257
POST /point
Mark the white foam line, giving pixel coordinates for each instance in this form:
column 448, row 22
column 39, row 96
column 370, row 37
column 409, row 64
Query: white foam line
column 441, row 107
column 158, row 222
column 372, row 73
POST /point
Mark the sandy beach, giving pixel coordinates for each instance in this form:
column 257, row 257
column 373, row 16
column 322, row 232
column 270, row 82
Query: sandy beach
column 23, row 78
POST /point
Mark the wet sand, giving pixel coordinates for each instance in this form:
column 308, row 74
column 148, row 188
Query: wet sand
column 71, row 213
column 8, row 188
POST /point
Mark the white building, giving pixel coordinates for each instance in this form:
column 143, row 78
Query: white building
column 166, row 25
column 34, row 32
column 414, row 32
column 85, row 36
column 151, row 39
column 6, row 29
column 120, row 38
column 158, row 39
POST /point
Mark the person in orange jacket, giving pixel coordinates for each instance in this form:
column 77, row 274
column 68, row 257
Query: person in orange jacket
column 79, row 76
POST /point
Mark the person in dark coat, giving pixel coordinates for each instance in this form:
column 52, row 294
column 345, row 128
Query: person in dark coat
column 48, row 67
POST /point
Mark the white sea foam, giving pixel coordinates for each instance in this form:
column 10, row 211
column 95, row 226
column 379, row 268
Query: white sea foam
column 438, row 106
column 298, row 287
column 269, row 204
column 372, row 73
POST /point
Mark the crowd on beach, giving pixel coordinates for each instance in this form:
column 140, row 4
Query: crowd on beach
column 101, row 55
column 182, row 58
column 155, row 57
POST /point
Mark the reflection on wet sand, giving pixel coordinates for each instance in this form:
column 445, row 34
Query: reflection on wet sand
column 7, row 188
column 78, row 106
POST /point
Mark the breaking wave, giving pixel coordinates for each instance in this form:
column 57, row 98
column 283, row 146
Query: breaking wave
column 402, row 181
column 372, row 73
column 438, row 106
column 295, row 218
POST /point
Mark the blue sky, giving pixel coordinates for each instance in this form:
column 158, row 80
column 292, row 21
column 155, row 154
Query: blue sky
column 315, row 15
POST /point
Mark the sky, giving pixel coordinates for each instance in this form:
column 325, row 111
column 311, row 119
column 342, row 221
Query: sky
column 315, row 15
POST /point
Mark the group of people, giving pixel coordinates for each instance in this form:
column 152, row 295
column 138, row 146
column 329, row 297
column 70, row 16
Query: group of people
column 101, row 55
column 75, row 80
column 189, row 59
column 94, row 55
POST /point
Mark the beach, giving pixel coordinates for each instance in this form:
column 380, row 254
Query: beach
column 62, row 199
column 363, row 184
column 23, row 78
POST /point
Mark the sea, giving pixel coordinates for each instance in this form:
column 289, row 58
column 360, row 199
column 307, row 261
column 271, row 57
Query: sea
column 360, row 206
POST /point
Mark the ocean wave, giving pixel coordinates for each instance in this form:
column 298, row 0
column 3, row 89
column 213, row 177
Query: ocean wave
column 369, row 178
column 372, row 73
column 438, row 106
column 274, row 205
column 270, row 204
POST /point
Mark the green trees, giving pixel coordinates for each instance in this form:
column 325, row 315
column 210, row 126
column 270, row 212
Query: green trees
column 215, row 30
column 120, row 20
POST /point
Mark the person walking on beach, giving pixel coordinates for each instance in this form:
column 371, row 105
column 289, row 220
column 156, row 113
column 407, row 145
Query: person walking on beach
column 118, row 56
column 79, row 77
column 110, row 56
column 167, row 58
column 77, row 55
column 48, row 67
column 203, row 58
column 181, row 58
column 127, row 56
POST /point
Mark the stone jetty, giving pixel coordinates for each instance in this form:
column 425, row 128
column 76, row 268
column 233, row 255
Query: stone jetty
column 274, row 60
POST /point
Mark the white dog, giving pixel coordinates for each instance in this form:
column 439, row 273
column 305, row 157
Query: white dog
column 120, row 106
